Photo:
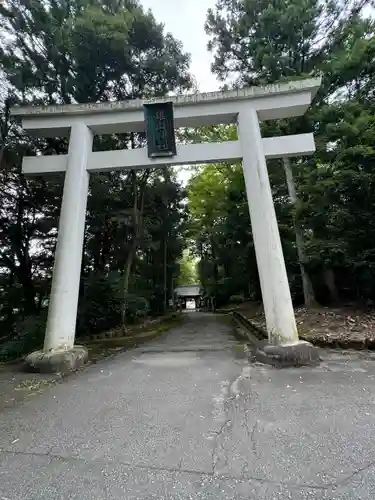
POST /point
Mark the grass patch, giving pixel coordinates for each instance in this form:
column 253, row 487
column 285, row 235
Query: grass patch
column 33, row 384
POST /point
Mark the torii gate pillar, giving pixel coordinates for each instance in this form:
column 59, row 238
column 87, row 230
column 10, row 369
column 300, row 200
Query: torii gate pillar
column 81, row 122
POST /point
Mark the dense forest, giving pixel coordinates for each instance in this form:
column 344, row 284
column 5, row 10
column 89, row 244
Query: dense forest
column 139, row 224
column 62, row 52
column 325, row 203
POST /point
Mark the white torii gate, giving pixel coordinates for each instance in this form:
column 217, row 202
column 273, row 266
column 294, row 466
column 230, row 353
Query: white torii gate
column 80, row 122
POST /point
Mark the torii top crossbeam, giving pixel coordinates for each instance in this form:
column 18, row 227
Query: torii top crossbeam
column 281, row 100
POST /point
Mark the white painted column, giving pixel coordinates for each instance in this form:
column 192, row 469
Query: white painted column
column 62, row 313
column 277, row 302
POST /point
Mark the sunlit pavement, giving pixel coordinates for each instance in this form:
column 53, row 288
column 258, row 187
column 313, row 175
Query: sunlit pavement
column 188, row 417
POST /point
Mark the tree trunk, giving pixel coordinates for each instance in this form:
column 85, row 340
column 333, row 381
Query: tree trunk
column 167, row 179
column 127, row 270
column 308, row 291
column 216, row 268
column 10, row 301
column 137, row 222
column 165, row 277
column 330, row 282
column 28, row 292
column 4, row 127
column 172, row 292
column 21, row 248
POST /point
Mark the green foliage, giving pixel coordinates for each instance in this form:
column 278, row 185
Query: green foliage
column 236, row 299
column 99, row 304
column 28, row 336
column 80, row 51
column 87, row 50
column 257, row 42
column 262, row 41
column 138, row 307
column 188, row 270
column 220, row 227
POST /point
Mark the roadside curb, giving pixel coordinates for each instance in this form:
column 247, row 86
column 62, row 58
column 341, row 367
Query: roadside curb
column 251, row 328
column 261, row 334
column 106, row 342
column 134, row 340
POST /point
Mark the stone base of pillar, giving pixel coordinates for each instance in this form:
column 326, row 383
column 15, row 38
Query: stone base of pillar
column 282, row 356
column 57, row 361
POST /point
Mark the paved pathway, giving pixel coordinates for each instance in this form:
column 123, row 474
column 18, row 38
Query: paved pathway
column 187, row 417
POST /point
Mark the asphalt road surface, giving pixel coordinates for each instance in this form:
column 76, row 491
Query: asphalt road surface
column 188, row 417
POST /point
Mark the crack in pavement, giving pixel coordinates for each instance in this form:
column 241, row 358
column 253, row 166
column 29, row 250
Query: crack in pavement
column 246, row 397
column 216, row 446
column 252, row 437
column 231, row 395
column 225, row 477
column 230, row 409
column 347, row 480
column 251, row 433
column 70, row 458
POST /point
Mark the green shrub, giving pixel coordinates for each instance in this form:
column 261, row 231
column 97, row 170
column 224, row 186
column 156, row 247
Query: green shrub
column 28, row 337
column 99, row 306
column 236, row 299
column 137, row 307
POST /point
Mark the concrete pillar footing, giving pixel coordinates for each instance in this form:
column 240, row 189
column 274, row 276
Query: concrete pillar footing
column 57, row 361
column 300, row 353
